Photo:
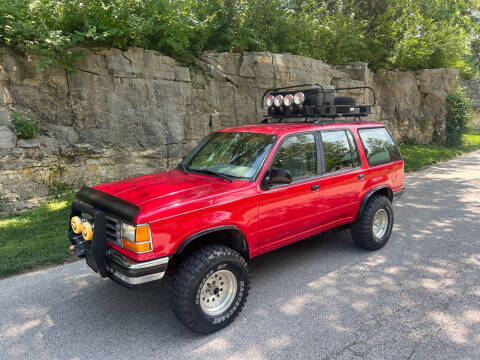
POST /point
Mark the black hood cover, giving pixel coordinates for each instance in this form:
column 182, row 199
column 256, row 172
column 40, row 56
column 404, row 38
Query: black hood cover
column 109, row 203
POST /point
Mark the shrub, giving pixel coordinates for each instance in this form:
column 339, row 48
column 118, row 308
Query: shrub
column 25, row 125
column 458, row 117
column 402, row 34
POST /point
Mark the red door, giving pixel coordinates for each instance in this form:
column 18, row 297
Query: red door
column 343, row 177
column 290, row 212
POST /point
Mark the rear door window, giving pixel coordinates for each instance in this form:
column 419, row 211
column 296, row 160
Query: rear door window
column 338, row 151
column 379, row 146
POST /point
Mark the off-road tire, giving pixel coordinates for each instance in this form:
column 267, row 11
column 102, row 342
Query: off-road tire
column 362, row 228
column 191, row 275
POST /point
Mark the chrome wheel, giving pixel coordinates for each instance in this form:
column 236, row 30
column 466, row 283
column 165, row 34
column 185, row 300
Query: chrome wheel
column 380, row 223
column 218, row 292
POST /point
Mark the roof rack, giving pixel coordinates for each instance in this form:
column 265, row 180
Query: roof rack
column 313, row 101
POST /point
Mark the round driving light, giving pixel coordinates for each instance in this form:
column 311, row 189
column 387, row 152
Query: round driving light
column 278, row 101
column 269, row 101
column 299, row 98
column 288, row 100
column 76, row 224
column 87, row 231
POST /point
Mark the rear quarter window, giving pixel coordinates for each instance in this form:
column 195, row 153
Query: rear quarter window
column 379, row 146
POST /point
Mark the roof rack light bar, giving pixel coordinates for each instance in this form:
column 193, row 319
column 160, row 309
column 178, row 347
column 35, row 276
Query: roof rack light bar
column 314, row 101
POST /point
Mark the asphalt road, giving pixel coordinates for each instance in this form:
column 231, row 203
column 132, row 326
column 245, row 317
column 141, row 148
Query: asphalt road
column 418, row 298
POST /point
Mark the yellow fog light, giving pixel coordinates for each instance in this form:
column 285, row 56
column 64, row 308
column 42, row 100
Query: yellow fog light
column 76, row 224
column 87, row 231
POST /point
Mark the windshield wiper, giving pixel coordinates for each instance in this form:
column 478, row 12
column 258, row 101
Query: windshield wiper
column 215, row 173
column 184, row 168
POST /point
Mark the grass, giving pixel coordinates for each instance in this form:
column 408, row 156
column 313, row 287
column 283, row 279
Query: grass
column 35, row 238
column 38, row 237
column 419, row 156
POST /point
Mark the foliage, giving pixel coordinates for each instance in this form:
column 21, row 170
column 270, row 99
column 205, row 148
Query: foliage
column 35, row 238
column 401, row 34
column 419, row 156
column 57, row 188
column 458, row 117
column 25, row 125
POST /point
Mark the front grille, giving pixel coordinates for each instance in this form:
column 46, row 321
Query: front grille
column 112, row 230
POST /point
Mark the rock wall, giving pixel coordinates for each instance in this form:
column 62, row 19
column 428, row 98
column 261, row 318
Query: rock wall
column 124, row 113
column 472, row 88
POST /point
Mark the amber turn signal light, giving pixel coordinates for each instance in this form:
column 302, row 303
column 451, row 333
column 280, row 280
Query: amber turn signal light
column 87, row 231
column 76, row 224
column 142, row 233
column 136, row 247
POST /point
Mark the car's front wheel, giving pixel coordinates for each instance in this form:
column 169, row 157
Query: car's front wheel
column 209, row 288
column 373, row 227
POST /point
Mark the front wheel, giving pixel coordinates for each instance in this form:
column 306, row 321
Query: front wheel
column 372, row 229
column 210, row 288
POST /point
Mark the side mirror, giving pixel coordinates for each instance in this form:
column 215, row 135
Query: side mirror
column 279, row 176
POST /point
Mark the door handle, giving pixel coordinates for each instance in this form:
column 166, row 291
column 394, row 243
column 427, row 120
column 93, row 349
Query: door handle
column 315, row 187
column 361, row 176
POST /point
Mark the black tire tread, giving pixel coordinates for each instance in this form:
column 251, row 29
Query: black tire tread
column 188, row 272
column 361, row 229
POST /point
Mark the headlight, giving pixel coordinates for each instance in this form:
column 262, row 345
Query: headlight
column 128, row 232
column 137, row 238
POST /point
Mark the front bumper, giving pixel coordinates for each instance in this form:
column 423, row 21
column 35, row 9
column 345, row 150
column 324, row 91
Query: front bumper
column 130, row 272
column 108, row 262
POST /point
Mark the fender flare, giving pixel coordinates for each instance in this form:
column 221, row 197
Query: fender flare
column 371, row 193
column 195, row 236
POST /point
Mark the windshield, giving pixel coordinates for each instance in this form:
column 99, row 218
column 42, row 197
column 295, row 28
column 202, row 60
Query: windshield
column 236, row 154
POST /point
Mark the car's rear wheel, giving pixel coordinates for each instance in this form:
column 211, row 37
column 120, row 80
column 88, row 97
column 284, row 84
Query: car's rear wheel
column 373, row 227
column 210, row 288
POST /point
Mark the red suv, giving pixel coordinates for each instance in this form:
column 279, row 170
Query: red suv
column 242, row 192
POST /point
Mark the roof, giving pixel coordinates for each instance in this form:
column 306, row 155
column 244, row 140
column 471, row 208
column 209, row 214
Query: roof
column 283, row 128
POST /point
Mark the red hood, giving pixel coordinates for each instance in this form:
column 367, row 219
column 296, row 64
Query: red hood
column 169, row 189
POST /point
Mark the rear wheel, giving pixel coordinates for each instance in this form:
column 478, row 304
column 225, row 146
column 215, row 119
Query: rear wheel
column 373, row 227
column 210, row 288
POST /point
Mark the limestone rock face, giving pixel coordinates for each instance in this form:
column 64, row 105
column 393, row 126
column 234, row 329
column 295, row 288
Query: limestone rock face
column 472, row 88
column 413, row 104
column 7, row 138
column 124, row 113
